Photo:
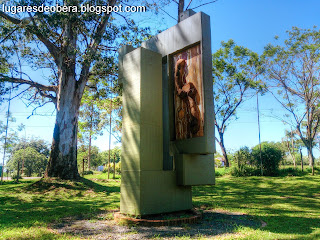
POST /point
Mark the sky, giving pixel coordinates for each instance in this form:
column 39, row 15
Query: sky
column 250, row 23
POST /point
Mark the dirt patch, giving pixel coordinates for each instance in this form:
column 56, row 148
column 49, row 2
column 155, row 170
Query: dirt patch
column 213, row 223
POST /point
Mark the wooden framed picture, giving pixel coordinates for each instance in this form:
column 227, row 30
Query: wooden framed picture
column 188, row 93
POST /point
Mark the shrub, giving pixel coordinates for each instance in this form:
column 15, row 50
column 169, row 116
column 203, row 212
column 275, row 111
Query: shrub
column 271, row 155
column 219, row 172
column 244, row 171
column 290, row 171
column 87, row 172
column 118, row 168
column 242, row 157
column 242, row 163
column 14, row 176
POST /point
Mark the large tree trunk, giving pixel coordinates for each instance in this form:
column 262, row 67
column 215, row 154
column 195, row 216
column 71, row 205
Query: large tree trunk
column 311, row 158
column 293, row 156
column 223, row 149
column 63, row 157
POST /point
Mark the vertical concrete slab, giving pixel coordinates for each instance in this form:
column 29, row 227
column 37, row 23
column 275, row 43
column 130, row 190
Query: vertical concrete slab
column 145, row 187
column 195, row 169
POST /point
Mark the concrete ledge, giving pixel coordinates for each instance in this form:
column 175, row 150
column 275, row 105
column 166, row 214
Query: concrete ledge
column 153, row 220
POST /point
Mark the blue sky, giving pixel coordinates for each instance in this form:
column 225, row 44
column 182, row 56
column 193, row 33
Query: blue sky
column 250, row 23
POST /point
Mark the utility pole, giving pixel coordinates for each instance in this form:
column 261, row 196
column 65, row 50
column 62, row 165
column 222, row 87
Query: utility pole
column 24, row 149
column 110, row 129
column 114, row 166
column 18, row 172
column 292, row 143
column 5, row 139
column 259, row 132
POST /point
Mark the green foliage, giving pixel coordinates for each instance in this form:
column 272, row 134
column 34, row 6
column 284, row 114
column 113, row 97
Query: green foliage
column 243, row 163
column 14, row 176
column 39, row 145
column 242, row 157
column 82, row 155
column 115, row 153
column 235, row 71
column 117, row 168
column 64, row 50
column 244, row 171
column 34, row 162
column 90, row 116
column 87, row 172
column 12, row 134
column 293, row 69
column 291, row 171
column 271, row 155
column 219, row 172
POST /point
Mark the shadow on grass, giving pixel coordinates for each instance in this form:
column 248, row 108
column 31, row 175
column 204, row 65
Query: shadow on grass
column 46, row 184
column 288, row 205
column 28, row 205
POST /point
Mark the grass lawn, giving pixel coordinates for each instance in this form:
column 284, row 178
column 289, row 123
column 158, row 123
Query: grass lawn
column 289, row 205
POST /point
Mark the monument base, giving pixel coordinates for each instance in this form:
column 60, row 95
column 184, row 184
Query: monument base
column 152, row 192
column 171, row 219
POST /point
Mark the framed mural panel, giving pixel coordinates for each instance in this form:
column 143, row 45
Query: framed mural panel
column 188, row 93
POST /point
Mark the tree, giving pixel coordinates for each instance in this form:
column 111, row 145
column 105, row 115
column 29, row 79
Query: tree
column 69, row 45
column 12, row 134
column 34, row 162
column 271, row 154
column 294, row 69
column 90, row 121
column 83, row 156
column 39, row 145
column 289, row 143
column 235, row 72
column 115, row 152
column 100, row 101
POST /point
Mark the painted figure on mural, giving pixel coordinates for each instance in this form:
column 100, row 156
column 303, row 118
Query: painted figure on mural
column 188, row 94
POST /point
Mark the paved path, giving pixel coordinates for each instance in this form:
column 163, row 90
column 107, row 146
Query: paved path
column 9, row 178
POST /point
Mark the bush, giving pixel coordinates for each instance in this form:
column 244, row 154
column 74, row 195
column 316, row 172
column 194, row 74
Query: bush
column 118, row 168
column 88, row 172
column 291, row 172
column 271, row 155
column 14, row 176
column 242, row 163
column 242, row 157
column 244, row 171
column 219, row 172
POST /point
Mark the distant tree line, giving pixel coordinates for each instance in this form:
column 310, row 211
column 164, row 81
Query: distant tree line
column 289, row 71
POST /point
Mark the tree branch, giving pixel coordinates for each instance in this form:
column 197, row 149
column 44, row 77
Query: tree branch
column 53, row 49
column 205, row 4
column 28, row 82
column 91, row 50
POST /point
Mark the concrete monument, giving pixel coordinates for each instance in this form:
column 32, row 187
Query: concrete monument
column 168, row 118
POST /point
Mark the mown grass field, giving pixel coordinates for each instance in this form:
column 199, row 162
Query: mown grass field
column 289, row 205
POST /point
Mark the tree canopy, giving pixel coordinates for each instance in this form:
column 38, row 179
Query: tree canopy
column 235, row 72
column 293, row 69
column 70, row 47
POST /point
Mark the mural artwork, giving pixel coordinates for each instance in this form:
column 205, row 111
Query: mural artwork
column 188, row 97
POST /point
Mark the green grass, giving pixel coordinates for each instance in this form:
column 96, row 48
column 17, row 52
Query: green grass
column 27, row 208
column 289, row 205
